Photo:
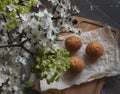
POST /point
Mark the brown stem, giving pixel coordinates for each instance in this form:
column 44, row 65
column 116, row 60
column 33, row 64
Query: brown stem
column 4, row 18
column 54, row 9
column 19, row 16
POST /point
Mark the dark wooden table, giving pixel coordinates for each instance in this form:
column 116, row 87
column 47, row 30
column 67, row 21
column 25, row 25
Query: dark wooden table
column 107, row 12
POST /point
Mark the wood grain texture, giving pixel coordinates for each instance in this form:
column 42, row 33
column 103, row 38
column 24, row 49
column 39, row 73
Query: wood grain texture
column 93, row 87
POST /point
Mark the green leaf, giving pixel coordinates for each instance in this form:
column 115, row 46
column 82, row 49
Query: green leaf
column 10, row 26
column 30, row 84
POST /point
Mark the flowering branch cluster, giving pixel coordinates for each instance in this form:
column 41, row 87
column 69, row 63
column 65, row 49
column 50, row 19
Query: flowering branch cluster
column 25, row 33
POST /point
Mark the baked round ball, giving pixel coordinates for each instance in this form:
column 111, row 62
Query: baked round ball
column 73, row 43
column 94, row 49
column 76, row 64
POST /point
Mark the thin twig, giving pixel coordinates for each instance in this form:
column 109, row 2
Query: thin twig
column 18, row 45
column 12, row 45
column 22, row 46
column 19, row 16
column 54, row 9
column 22, row 43
column 4, row 18
column 56, row 18
column 7, row 30
column 26, row 49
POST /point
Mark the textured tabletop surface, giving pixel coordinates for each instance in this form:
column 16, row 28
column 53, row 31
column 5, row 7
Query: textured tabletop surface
column 107, row 12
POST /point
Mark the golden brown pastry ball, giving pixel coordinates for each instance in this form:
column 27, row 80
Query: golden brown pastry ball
column 76, row 64
column 73, row 43
column 94, row 49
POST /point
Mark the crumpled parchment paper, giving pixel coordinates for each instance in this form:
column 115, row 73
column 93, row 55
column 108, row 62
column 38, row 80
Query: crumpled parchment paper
column 106, row 65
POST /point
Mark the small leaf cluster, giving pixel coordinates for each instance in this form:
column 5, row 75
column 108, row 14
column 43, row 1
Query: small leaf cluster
column 29, row 84
column 51, row 63
column 11, row 10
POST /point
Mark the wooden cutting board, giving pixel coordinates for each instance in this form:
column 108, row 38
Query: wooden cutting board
column 93, row 87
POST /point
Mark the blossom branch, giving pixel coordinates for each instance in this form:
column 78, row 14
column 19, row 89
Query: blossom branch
column 54, row 9
column 26, row 49
column 19, row 45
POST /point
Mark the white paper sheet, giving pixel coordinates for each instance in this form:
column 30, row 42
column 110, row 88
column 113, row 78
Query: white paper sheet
column 106, row 65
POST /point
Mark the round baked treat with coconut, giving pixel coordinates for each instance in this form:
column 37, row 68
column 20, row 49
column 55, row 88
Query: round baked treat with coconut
column 73, row 43
column 76, row 64
column 94, row 49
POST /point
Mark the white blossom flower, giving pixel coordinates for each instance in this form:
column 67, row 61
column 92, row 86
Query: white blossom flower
column 1, row 81
column 9, row 82
column 54, row 2
column 74, row 30
column 18, row 92
column 2, row 23
column 15, row 88
column 24, row 17
column 21, row 60
column 38, row 3
column 23, row 76
column 76, row 9
column 4, row 40
column 10, row 88
column 39, row 14
column 33, row 23
column 11, row 8
column 22, row 27
column 27, row 45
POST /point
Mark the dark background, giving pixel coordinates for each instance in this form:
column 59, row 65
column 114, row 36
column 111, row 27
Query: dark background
column 105, row 11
